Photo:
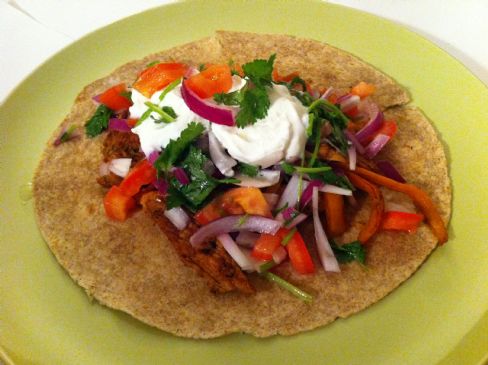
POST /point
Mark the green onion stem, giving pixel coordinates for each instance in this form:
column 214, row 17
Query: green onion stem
column 266, row 266
column 305, row 170
column 165, row 116
column 170, row 87
column 288, row 236
column 300, row 294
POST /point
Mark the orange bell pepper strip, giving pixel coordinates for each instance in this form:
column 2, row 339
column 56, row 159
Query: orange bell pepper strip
column 334, row 213
column 158, row 76
column 266, row 244
column 377, row 206
column 143, row 173
column 418, row 196
column 299, row 256
column 401, row 221
column 118, row 206
column 213, row 80
column 114, row 99
column 363, row 89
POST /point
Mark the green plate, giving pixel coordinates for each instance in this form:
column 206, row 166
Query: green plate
column 438, row 316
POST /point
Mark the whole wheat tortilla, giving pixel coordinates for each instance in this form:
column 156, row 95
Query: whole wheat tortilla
column 131, row 266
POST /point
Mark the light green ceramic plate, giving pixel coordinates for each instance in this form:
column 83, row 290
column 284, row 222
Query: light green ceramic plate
column 440, row 315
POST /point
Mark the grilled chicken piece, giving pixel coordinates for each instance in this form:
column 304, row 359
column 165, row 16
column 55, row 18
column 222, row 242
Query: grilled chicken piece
column 212, row 261
column 122, row 145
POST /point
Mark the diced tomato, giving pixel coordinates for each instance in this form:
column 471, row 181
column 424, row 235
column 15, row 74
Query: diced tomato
column 213, row 80
column 118, row 206
column 363, row 89
column 388, row 128
column 401, row 221
column 114, row 99
column 244, row 200
column 299, row 256
column 132, row 122
column 159, row 76
column 266, row 244
column 142, row 174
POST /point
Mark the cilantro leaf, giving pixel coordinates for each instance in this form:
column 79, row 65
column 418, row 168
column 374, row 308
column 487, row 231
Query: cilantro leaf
column 260, row 71
column 254, row 105
column 233, row 98
column 175, row 148
column 330, row 177
column 348, row 252
column 98, row 122
column 247, row 169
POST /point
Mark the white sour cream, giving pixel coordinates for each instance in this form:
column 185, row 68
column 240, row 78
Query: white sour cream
column 281, row 135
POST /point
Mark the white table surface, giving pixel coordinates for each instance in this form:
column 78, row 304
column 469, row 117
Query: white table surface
column 33, row 30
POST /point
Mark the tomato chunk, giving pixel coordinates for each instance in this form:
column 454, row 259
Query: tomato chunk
column 142, row 174
column 299, row 256
column 401, row 221
column 244, row 200
column 114, row 99
column 363, row 89
column 159, row 76
column 213, row 80
column 266, row 244
column 118, row 206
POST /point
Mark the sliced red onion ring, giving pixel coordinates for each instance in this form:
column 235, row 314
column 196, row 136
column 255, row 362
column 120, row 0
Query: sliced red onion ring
column 296, row 221
column 120, row 166
column 327, row 188
column 263, row 179
column 352, row 138
column 373, row 124
column 327, row 258
column 351, row 154
column 115, row 124
column 96, row 98
column 307, row 193
column 375, row 146
column 206, row 109
column 247, row 239
column 348, row 101
column 271, row 199
column 279, row 255
column 153, row 156
column 289, row 212
column 161, row 185
column 178, row 217
column 235, row 252
column 219, row 157
column 327, row 93
column 181, row 176
column 290, row 194
column 387, row 168
column 235, row 223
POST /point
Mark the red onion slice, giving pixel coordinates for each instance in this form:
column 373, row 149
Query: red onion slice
column 206, row 109
column 153, row 156
column 219, row 157
column 327, row 93
column 352, row 138
column 307, row 193
column 247, row 239
column 235, row 223
column 263, row 179
column 120, row 166
column 296, row 221
column 376, row 145
column 181, row 176
column 161, row 185
column 279, row 255
column 351, row 154
column 348, row 101
column 115, row 124
column 387, row 168
column 178, row 217
column 374, row 123
column 235, row 252
column 290, row 194
column 327, row 258
column 327, row 188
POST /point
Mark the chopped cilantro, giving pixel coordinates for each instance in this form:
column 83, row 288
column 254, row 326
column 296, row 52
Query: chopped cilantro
column 246, row 169
column 170, row 111
column 330, row 177
column 175, row 148
column 98, row 122
column 348, row 252
column 232, row 98
column 298, row 81
column 165, row 117
column 254, row 105
column 260, row 71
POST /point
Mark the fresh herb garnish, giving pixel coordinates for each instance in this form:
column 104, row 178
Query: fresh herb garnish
column 165, row 117
column 170, row 111
column 253, row 106
column 144, row 116
column 330, row 177
column 249, row 170
column 126, row 94
column 348, row 252
column 298, row 81
column 98, row 122
column 277, row 211
column 260, row 71
column 169, row 88
column 266, row 266
column 175, row 148
column 194, row 194
column 300, row 294
column 288, row 236
column 290, row 169
column 232, row 98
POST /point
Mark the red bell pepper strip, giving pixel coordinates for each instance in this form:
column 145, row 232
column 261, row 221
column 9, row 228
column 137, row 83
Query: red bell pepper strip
column 142, row 174
column 213, row 80
column 114, row 99
column 299, row 256
column 118, row 206
column 159, row 76
column 401, row 221
column 266, row 244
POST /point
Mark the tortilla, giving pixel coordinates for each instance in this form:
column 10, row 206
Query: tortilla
column 130, row 266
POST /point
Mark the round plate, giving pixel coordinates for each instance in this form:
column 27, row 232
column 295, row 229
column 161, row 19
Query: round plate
column 439, row 315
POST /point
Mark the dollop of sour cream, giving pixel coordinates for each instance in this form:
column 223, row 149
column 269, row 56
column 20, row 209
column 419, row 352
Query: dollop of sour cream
column 281, row 135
